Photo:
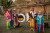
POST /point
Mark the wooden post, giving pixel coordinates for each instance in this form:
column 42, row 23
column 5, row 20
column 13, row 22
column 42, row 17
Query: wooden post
column 47, row 14
column 18, row 11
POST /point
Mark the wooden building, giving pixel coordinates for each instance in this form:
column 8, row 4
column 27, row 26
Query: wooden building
column 43, row 6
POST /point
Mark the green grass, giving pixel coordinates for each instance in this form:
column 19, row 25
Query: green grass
column 46, row 19
column 24, row 27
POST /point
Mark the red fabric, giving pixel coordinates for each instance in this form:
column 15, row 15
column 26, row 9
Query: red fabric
column 7, row 14
column 11, row 16
column 36, row 27
column 17, row 15
column 41, row 28
column 8, row 20
column 15, row 19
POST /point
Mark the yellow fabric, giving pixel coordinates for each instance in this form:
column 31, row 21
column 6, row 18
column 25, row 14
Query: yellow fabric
column 32, row 23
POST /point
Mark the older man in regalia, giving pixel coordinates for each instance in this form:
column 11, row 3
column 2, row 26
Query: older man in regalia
column 32, row 15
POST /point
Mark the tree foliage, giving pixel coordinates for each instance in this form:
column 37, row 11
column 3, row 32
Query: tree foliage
column 5, row 3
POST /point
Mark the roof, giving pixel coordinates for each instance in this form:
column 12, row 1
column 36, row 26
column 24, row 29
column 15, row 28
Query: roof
column 38, row 4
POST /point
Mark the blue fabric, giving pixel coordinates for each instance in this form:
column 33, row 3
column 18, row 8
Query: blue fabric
column 39, row 27
column 16, row 22
column 40, row 20
column 15, row 17
column 1, row 11
column 11, row 24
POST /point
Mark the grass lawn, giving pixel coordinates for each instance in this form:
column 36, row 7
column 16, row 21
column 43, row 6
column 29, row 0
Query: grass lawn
column 46, row 19
column 24, row 27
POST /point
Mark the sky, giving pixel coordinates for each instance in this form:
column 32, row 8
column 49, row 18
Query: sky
column 13, row 0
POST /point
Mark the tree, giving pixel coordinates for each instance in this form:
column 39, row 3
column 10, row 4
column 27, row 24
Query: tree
column 6, row 3
column 9, row 3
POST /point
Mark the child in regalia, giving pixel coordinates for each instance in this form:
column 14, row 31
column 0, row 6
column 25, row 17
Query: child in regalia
column 11, row 22
column 40, row 22
column 8, row 19
column 15, row 17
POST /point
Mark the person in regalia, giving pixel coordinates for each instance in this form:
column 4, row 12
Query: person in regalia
column 40, row 22
column 15, row 17
column 11, row 22
column 32, row 15
column 8, row 19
